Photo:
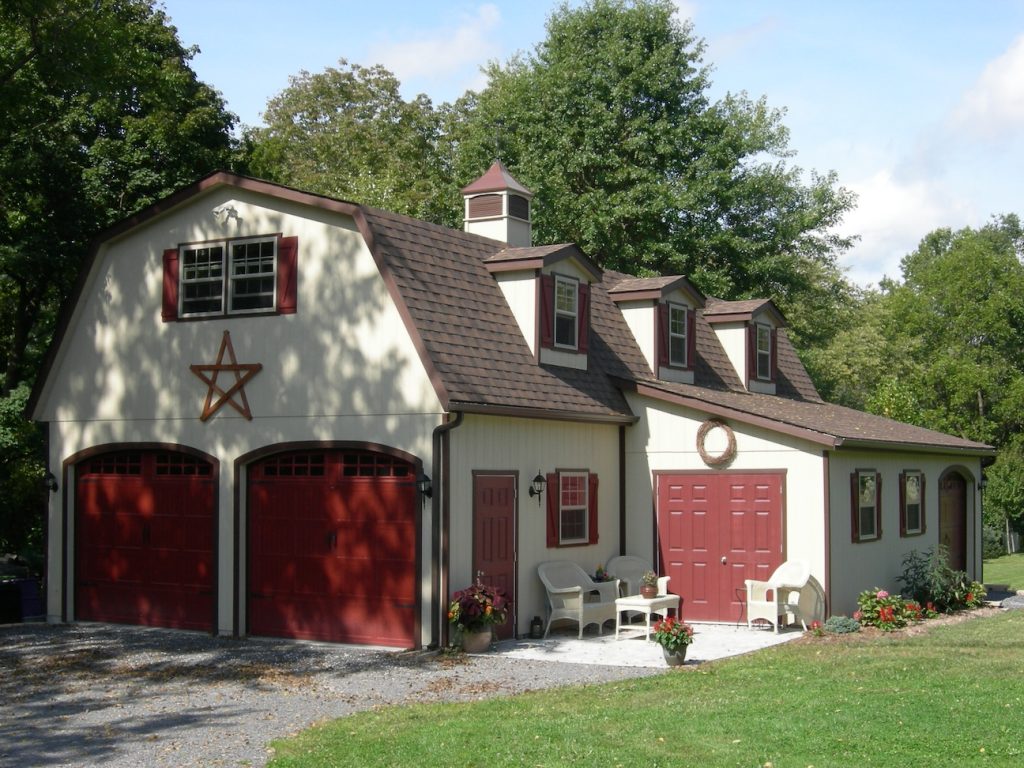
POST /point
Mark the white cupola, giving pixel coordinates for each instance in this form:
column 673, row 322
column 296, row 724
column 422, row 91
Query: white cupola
column 497, row 206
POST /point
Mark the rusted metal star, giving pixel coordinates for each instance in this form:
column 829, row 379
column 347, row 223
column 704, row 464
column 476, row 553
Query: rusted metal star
column 243, row 373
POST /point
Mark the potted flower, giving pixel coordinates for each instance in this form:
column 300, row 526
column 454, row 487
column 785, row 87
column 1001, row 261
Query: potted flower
column 474, row 611
column 649, row 585
column 674, row 636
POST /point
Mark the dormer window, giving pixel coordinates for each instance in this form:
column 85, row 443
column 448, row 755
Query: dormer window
column 764, row 352
column 566, row 311
column 677, row 336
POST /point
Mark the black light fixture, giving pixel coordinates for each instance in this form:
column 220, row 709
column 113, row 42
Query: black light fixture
column 423, row 485
column 537, row 486
column 51, row 482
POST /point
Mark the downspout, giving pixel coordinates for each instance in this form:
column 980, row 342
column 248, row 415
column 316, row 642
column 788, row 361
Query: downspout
column 827, row 586
column 439, row 538
column 622, row 489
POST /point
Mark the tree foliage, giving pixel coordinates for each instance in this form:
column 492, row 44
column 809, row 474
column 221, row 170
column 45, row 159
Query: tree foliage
column 101, row 115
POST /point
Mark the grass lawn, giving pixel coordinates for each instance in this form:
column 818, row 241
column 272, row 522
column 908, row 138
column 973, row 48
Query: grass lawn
column 1008, row 569
column 953, row 695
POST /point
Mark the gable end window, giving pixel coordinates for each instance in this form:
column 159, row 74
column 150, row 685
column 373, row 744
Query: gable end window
column 866, row 505
column 571, row 508
column 911, row 503
column 254, row 275
column 564, row 313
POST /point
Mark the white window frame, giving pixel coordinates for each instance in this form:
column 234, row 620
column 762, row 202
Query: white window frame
column 682, row 337
column 864, row 477
column 581, row 509
column 571, row 287
column 763, row 354
column 227, row 279
column 906, row 478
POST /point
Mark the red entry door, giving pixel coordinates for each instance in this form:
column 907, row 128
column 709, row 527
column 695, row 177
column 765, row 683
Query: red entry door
column 715, row 531
column 953, row 519
column 494, row 538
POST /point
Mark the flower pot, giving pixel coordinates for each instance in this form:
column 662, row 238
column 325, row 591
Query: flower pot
column 675, row 658
column 476, row 641
column 648, row 592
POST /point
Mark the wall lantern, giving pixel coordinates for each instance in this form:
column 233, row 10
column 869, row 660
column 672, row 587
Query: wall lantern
column 423, row 485
column 537, row 486
column 51, row 482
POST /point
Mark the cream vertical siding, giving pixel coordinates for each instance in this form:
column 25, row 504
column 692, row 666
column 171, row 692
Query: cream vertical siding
column 342, row 368
column 857, row 566
column 527, row 446
column 665, row 439
column 733, row 338
column 641, row 317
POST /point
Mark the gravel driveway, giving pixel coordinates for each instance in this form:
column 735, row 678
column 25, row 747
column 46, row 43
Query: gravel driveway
column 129, row 696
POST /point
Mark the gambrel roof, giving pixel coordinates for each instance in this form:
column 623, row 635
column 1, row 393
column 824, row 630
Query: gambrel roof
column 473, row 349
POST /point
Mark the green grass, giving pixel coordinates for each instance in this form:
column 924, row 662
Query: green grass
column 1008, row 569
column 951, row 696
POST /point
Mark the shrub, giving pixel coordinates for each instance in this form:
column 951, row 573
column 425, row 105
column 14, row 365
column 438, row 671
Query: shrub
column 993, row 543
column 841, row 625
column 931, row 582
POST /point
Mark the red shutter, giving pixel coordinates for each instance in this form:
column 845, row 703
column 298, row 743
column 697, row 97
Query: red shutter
column 170, row 300
column 751, row 352
column 774, row 355
column 661, row 335
column 287, row 275
column 878, row 504
column 583, row 317
column 923, row 518
column 691, row 338
column 553, row 496
column 592, row 511
column 903, row 504
column 854, row 508
column 546, row 301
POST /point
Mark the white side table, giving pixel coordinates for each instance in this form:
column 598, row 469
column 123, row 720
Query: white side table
column 660, row 605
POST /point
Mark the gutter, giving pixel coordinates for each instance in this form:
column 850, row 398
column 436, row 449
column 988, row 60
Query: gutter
column 439, row 505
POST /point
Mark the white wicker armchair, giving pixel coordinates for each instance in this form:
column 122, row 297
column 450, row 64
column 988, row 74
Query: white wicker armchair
column 568, row 587
column 790, row 591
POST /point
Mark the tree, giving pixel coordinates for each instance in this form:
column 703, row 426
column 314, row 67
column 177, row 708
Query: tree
column 608, row 121
column 102, row 115
column 346, row 132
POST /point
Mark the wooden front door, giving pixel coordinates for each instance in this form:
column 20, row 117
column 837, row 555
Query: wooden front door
column 953, row 519
column 494, row 537
column 715, row 531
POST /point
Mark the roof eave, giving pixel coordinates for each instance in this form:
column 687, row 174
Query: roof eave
column 487, row 409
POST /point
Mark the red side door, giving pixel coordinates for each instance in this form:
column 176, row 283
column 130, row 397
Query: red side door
column 715, row 531
column 494, row 537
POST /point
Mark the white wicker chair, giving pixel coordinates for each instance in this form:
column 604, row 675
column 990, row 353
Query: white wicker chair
column 571, row 595
column 628, row 569
column 790, row 591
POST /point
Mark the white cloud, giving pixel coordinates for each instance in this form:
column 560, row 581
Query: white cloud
column 686, row 9
column 443, row 51
column 993, row 108
column 892, row 216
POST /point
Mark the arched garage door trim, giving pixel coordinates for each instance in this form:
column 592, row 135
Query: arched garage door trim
column 242, row 540
column 69, row 477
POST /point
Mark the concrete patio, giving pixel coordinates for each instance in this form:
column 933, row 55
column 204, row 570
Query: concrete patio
column 711, row 641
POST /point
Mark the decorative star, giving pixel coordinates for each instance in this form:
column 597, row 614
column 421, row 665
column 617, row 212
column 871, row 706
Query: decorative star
column 243, row 373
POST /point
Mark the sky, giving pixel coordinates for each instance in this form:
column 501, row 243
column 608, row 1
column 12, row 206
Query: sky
column 918, row 105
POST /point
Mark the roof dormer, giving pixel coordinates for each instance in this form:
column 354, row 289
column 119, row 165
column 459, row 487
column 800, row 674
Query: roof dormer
column 662, row 314
column 748, row 331
column 497, row 206
column 548, row 290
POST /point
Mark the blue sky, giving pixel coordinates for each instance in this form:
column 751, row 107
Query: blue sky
column 917, row 105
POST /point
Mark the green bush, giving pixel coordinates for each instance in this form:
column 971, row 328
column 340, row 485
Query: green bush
column 993, row 543
column 931, row 582
column 877, row 608
column 841, row 625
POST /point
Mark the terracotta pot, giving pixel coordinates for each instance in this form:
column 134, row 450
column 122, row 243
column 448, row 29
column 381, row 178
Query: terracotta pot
column 648, row 592
column 675, row 658
column 476, row 642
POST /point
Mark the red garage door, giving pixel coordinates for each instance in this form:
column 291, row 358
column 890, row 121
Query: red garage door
column 144, row 533
column 714, row 531
column 332, row 548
